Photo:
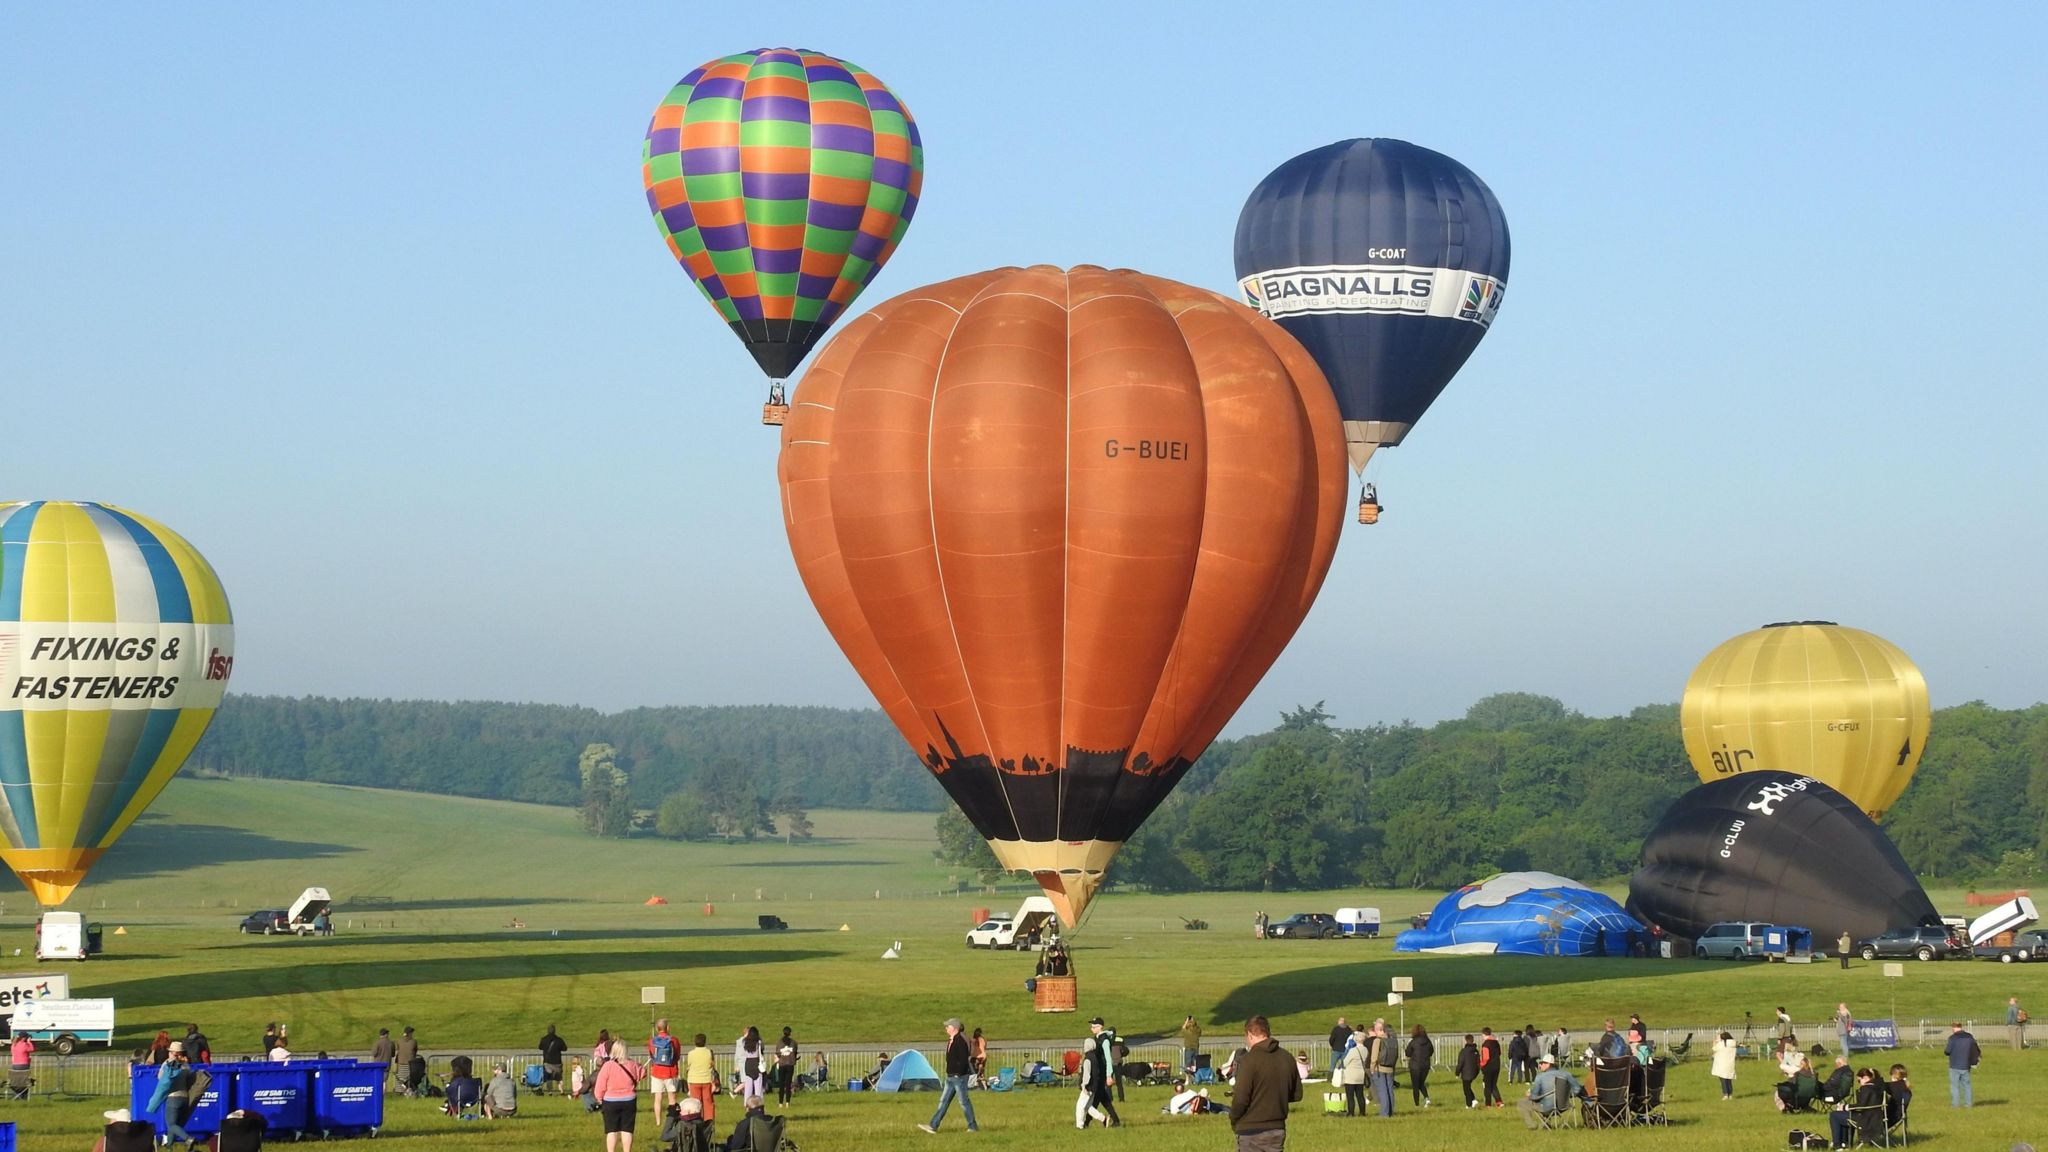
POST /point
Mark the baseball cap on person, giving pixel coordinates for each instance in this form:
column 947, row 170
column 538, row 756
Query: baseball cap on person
column 1097, row 1022
column 178, row 1046
column 1547, row 1060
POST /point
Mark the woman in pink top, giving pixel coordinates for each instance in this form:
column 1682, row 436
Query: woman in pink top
column 617, row 1088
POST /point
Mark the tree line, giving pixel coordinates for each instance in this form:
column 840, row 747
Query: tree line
column 836, row 757
column 1519, row 781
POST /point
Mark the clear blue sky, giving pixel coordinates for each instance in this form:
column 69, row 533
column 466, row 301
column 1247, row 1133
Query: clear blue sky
column 364, row 300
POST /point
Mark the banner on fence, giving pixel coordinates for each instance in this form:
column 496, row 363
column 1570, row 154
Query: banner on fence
column 1873, row 1035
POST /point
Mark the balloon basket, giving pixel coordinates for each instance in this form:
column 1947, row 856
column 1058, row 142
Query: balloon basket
column 1055, row 994
column 774, row 415
column 1368, row 513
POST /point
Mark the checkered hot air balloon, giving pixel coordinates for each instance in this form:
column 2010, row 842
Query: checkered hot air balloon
column 782, row 180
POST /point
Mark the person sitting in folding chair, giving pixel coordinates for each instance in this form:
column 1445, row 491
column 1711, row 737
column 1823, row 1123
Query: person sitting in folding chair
column 1859, row 1116
column 1550, row 1097
column 1607, row 1105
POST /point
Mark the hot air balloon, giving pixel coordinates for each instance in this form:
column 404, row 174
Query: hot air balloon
column 115, row 647
column 782, row 180
column 1811, row 697
column 1779, row 848
column 1388, row 262
column 1523, row 914
column 1061, row 522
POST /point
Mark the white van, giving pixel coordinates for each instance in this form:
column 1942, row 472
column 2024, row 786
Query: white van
column 1036, row 917
column 61, row 936
column 66, row 1025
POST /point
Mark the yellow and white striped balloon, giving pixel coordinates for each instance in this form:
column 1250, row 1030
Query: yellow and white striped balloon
column 116, row 644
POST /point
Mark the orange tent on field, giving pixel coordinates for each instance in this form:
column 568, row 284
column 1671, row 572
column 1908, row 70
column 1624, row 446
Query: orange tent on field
column 653, row 900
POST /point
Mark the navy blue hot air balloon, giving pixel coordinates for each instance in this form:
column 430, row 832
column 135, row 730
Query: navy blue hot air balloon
column 1388, row 262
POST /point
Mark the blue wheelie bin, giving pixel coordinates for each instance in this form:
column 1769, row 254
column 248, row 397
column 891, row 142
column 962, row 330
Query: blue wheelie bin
column 206, row 1113
column 348, row 1098
column 282, row 1093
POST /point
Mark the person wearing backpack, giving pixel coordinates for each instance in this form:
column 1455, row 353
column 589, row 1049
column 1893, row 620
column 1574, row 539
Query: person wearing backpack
column 750, row 1062
column 664, row 1056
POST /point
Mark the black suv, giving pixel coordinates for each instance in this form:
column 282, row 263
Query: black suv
column 1306, row 926
column 269, row 922
column 1921, row 943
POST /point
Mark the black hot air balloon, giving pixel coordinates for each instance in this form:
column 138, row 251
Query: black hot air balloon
column 1777, row 848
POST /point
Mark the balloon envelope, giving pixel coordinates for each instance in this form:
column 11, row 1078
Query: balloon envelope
column 1523, row 914
column 1777, row 848
column 1811, row 698
column 782, row 180
column 116, row 644
column 1061, row 522
column 1388, row 262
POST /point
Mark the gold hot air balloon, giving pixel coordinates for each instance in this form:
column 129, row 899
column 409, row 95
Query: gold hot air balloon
column 115, row 647
column 1814, row 698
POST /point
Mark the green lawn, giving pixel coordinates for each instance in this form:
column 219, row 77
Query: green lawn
column 1024, row 1120
column 430, row 888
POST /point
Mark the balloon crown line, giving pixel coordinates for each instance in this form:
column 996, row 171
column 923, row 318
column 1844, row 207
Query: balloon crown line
column 1804, row 624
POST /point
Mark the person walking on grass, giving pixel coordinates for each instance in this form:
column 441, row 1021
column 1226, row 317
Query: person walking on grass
column 2015, row 1023
column 1724, row 1064
column 617, row 1088
column 173, row 1093
column 1267, row 1083
column 1468, row 1069
column 1963, row 1055
column 959, row 1070
column 664, row 1058
column 1489, row 1069
column 1421, row 1052
column 1095, row 1102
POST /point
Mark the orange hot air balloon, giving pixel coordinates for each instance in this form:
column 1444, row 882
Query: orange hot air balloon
column 1062, row 522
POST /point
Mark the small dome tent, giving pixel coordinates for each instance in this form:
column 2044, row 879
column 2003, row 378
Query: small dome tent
column 908, row 1072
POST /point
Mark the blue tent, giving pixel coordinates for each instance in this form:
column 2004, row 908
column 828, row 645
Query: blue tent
column 908, row 1072
column 1525, row 914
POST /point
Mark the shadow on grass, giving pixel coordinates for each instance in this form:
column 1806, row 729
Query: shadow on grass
column 158, row 847
column 505, row 936
column 198, row 987
column 373, row 906
column 1337, row 987
column 818, row 864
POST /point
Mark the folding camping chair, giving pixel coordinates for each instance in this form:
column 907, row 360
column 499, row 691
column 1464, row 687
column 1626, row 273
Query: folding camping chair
column 535, row 1076
column 1205, row 1075
column 1562, row 1115
column 19, row 1083
column 1044, row 1078
column 1070, row 1060
column 1646, row 1103
column 1682, row 1050
column 1607, row 1107
column 1006, row 1079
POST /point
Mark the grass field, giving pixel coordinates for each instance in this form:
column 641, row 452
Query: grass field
column 429, row 888
column 1024, row 1121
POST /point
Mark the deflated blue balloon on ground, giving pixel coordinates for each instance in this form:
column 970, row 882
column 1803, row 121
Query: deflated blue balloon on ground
column 1523, row 914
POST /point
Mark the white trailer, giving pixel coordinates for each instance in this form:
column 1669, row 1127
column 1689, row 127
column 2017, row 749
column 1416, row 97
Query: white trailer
column 66, row 1025
column 311, row 904
column 61, row 936
column 2010, row 916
